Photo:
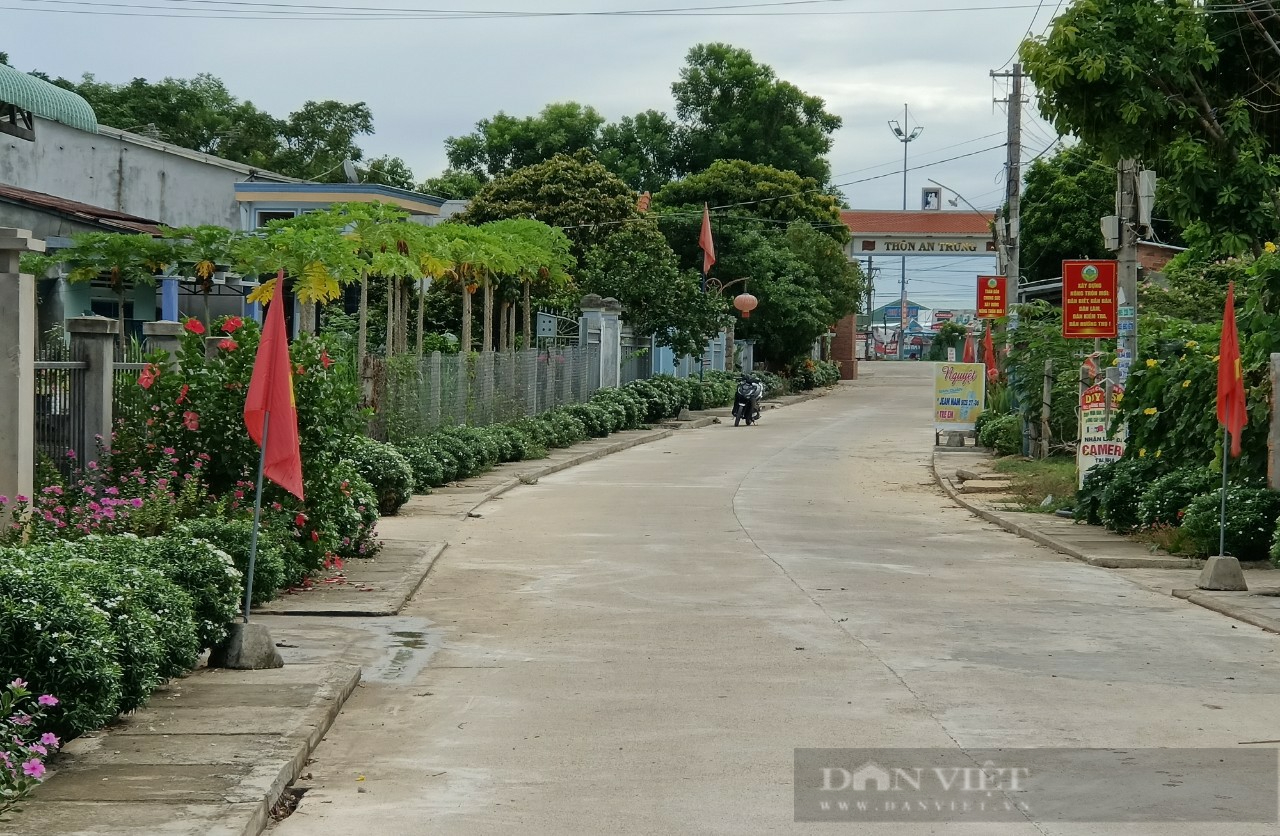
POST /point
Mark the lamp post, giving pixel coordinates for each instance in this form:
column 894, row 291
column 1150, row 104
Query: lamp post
column 720, row 287
column 905, row 134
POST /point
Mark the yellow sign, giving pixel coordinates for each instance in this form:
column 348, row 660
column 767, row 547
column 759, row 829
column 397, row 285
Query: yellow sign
column 959, row 395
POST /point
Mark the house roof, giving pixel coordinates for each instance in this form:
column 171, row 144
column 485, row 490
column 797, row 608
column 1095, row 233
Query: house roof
column 198, row 156
column 417, row 203
column 46, row 100
column 108, row 219
column 916, row 222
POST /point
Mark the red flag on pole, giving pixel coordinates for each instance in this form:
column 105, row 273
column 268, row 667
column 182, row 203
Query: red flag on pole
column 1231, row 401
column 270, row 409
column 706, row 242
column 989, row 355
column 970, row 351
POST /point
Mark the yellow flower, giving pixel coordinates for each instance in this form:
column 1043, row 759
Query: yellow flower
column 1151, row 410
column 1192, row 344
column 1217, row 357
column 1186, row 383
column 1182, row 359
column 1158, row 452
column 1152, row 362
column 1142, row 454
column 1269, row 247
column 1115, row 361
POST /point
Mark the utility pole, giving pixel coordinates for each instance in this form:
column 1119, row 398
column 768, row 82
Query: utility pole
column 1127, row 211
column 868, row 348
column 905, row 135
column 1013, row 180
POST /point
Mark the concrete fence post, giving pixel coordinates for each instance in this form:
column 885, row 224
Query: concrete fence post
column 93, row 341
column 1273, row 432
column 17, row 364
column 434, row 381
column 163, row 335
column 610, row 343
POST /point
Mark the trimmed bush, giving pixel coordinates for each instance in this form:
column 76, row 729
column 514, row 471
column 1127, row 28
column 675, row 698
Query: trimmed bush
column 1089, row 498
column 1250, row 523
column 235, row 538
column 425, row 462
column 385, row 468
column 57, row 640
column 1166, row 497
column 1003, row 433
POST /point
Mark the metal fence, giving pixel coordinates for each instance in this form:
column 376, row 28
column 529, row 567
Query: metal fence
column 57, row 422
column 411, row 396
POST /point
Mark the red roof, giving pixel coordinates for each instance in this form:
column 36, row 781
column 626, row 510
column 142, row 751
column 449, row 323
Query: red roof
column 94, row 215
column 915, row 222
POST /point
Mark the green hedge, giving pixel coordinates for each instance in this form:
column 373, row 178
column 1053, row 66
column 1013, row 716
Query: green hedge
column 1002, row 433
column 270, row 568
column 1250, row 522
column 385, row 468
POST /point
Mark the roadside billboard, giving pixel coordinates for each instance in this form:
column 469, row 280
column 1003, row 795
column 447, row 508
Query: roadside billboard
column 959, row 395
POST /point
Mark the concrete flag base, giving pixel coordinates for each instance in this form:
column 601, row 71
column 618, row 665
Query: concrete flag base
column 248, row 647
column 1222, row 573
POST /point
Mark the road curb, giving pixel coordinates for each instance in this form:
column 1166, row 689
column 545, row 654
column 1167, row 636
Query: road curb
column 330, row 697
column 1227, row 608
column 1053, row 542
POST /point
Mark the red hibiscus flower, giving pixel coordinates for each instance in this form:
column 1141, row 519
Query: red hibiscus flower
column 232, row 324
column 191, row 420
column 325, row 360
column 300, row 520
column 182, row 396
column 194, row 326
column 228, row 345
column 148, row 376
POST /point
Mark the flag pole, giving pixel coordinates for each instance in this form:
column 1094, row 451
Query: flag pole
column 1222, row 512
column 257, row 517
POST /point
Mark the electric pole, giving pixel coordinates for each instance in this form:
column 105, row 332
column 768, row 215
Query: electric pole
column 1013, row 180
column 905, row 135
column 1127, row 212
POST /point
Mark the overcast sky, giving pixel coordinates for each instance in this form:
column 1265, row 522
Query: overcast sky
column 427, row 79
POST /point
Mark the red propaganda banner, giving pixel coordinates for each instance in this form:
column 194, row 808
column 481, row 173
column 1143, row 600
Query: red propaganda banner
column 1089, row 300
column 993, row 297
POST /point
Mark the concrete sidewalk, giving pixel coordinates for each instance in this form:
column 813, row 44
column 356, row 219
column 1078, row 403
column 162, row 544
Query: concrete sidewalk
column 1169, row 574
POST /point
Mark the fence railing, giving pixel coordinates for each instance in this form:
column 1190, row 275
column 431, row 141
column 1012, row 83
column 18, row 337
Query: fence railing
column 57, row 422
column 411, row 396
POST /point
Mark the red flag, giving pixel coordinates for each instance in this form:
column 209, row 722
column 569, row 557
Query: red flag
column 706, row 242
column 970, row 351
column 1231, row 404
column 989, row 355
column 271, row 394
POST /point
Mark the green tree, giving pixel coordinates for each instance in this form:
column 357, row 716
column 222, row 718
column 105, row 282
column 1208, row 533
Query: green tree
column 643, row 150
column 1184, row 87
column 453, row 185
column 319, row 136
column 1066, row 195
column 502, row 143
column 735, row 108
column 950, row 335
column 388, row 171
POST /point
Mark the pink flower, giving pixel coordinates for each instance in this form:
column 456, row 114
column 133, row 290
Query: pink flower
column 50, row 739
column 232, row 324
column 34, row 768
column 194, row 326
column 191, row 420
column 136, row 503
column 182, row 396
column 38, row 748
column 228, row 345
column 18, row 683
column 20, row 719
column 148, row 376
column 48, row 700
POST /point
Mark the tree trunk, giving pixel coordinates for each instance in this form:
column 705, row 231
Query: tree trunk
column 402, row 308
column 502, row 326
column 422, row 293
column 362, row 333
column 120, row 337
column 391, row 317
column 307, row 318
column 488, row 317
column 528, row 315
column 511, row 327
column 464, row 344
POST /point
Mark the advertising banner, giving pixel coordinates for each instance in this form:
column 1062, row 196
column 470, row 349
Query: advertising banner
column 959, row 395
column 1096, row 446
column 993, row 297
column 1089, row 300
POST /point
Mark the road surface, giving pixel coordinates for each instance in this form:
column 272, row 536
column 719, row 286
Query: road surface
column 639, row 645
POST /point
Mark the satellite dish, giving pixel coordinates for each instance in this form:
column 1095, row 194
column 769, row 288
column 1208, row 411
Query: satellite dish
column 349, row 169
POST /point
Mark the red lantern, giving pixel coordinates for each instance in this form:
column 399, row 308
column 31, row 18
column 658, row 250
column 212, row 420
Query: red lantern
column 746, row 303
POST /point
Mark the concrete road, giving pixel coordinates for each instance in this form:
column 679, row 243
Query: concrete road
column 639, row 645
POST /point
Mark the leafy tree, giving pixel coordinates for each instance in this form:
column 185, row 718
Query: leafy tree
column 1066, row 196
column 575, row 193
column 503, row 143
column 453, row 185
column 320, row 135
column 389, row 171
column 950, row 335
column 643, row 150
column 735, row 108
column 1200, row 111
column 635, row 266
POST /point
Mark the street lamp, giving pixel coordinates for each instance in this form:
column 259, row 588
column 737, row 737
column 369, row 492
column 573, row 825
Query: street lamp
column 905, row 134
column 719, row 287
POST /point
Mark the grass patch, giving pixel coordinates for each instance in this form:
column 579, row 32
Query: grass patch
column 1031, row 480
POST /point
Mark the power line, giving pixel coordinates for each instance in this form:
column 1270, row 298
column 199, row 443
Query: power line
column 1030, row 25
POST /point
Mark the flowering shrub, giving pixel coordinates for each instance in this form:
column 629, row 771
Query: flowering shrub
column 23, row 746
column 385, row 468
column 196, row 408
column 270, row 572
column 1167, row 497
column 1250, row 524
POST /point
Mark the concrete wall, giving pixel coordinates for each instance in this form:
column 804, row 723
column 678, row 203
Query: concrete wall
column 115, row 170
column 43, row 225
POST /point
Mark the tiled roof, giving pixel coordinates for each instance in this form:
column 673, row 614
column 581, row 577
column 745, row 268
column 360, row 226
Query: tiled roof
column 933, row 222
column 108, row 219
